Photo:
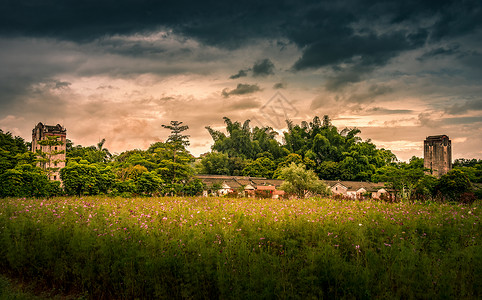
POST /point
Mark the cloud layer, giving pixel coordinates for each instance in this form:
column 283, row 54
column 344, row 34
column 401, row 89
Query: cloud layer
column 399, row 70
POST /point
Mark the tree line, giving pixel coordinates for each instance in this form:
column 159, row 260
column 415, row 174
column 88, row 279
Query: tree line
column 167, row 168
column 332, row 154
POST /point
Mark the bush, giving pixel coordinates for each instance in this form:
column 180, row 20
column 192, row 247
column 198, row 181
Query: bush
column 467, row 198
column 454, row 184
column 27, row 181
column 478, row 193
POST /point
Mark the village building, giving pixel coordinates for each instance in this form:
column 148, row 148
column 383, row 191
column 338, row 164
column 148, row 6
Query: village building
column 357, row 189
column 253, row 186
column 49, row 142
column 437, row 155
column 241, row 185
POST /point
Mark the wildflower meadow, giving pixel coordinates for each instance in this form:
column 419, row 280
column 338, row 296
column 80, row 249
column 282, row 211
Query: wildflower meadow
column 230, row 248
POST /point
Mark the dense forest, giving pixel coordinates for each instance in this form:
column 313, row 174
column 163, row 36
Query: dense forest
column 167, row 168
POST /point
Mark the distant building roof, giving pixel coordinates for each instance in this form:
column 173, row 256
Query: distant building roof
column 236, row 182
column 437, row 137
column 267, row 182
column 356, row 185
column 266, row 187
column 55, row 129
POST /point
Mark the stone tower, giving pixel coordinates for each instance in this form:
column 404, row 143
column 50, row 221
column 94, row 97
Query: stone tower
column 437, row 155
column 51, row 142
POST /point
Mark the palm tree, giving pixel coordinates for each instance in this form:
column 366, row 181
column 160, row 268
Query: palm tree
column 103, row 152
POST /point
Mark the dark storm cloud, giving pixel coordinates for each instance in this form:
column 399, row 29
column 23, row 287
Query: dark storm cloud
column 241, row 89
column 279, row 85
column 60, row 84
column 243, row 104
column 309, row 24
column 372, row 92
column 354, row 37
column 463, row 120
column 263, row 68
column 241, row 73
column 440, row 51
column 429, row 120
column 471, row 105
column 29, row 63
column 369, row 49
column 386, row 111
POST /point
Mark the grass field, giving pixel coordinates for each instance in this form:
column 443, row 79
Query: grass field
column 243, row 248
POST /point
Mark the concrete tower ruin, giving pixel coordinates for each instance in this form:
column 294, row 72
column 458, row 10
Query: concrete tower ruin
column 50, row 144
column 437, row 155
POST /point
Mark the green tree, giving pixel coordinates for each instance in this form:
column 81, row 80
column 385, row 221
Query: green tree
column 193, row 187
column 426, row 188
column 176, row 145
column 10, row 147
column 245, row 142
column 471, row 167
column 171, row 170
column 148, row 183
column 335, row 154
column 301, row 182
column 84, row 178
column 93, row 154
column 261, row 167
column 27, row 181
column 454, row 184
column 215, row 163
column 329, row 170
column 286, row 161
column 402, row 177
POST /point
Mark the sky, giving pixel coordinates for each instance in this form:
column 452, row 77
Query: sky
column 397, row 70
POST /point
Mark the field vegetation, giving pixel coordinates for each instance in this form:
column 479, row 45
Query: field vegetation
column 189, row 247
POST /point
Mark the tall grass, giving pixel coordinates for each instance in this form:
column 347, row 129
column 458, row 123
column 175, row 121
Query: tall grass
column 243, row 248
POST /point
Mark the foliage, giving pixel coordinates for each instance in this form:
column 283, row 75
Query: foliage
column 148, row 183
column 221, row 248
column 245, row 142
column 176, row 169
column 300, row 182
column 261, row 167
column 403, row 177
column 176, row 136
column 193, row 187
column 27, row 181
column 84, row 178
column 287, row 160
column 10, row 147
column 168, row 167
column 214, row 163
column 93, row 154
column 171, row 162
column 19, row 177
column 318, row 145
column 454, row 184
column 426, row 188
column 462, row 162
